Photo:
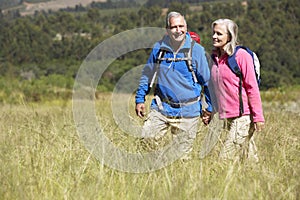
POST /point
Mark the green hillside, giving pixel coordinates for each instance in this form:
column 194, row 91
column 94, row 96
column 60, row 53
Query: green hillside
column 9, row 3
column 47, row 44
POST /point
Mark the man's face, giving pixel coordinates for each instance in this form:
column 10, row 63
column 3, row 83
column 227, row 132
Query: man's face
column 177, row 29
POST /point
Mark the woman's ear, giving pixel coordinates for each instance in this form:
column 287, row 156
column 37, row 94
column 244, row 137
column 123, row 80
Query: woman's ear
column 229, row 38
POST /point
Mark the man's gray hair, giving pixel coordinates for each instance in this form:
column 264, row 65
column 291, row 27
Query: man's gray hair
column 173, row 14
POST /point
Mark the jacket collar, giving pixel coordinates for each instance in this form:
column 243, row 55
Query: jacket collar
column 165, row 43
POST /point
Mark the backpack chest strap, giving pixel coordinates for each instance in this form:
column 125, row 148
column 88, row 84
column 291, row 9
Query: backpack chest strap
column 175, row 59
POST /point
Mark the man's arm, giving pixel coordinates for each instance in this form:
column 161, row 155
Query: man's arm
column 144, row 84
column 204, row 77
column 207, row 113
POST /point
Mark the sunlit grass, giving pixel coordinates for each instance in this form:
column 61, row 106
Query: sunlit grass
column 42, row 157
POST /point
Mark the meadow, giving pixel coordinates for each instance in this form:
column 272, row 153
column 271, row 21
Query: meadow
column 42, row 157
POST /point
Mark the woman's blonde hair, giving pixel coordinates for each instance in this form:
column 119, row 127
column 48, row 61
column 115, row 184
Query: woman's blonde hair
column 232, row 30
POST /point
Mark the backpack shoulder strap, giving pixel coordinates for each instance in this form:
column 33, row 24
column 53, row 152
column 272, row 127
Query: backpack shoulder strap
column 256, row 63
column 237, row 71
column 160, row 54
column 233, row 64
column 189, row 55
column 188, row 58
column 190, row 61
column 247, row 49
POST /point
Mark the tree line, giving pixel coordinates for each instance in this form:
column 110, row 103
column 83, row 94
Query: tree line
column 55, row 43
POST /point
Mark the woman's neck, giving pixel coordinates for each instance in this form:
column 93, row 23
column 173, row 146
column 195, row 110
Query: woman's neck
column 221, row 52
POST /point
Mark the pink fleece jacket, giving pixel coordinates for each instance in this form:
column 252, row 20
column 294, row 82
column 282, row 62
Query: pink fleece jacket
column 226, row 87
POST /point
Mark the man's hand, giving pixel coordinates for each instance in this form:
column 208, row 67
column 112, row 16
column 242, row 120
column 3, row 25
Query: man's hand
column 259, row 126
column 140, row 110
column 206, row 117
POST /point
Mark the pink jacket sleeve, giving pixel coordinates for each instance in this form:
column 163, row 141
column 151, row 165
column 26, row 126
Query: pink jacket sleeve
column 251, row 91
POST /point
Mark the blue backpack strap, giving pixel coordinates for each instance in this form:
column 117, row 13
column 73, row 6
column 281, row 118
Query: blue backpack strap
column 254, row 58
column 233, row 64
column 237, row 71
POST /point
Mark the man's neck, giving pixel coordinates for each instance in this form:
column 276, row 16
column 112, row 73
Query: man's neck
column 177, row 45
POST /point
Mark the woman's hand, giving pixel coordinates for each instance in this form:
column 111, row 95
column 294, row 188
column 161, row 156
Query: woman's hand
column 259, row 126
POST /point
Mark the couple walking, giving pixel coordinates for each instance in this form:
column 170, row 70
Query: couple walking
column 182, row 73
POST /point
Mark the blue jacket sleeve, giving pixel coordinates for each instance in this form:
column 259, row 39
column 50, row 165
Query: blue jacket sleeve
column 203, row 74
column 207, row 98
column 146, row 77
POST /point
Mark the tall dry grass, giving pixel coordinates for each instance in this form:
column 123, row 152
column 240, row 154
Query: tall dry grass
column 42, row 157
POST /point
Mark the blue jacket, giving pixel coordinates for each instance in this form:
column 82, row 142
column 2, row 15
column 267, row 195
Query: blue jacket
column 175, row 83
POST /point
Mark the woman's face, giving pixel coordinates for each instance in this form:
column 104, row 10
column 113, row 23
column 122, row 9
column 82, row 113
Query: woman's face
column 220, row 36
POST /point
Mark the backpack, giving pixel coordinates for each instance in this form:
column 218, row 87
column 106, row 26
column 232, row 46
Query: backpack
column 236, row 70
column 188, row 58
column 195, row 37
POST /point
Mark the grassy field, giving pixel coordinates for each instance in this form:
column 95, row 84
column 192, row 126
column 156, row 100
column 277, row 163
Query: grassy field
column 42, row 157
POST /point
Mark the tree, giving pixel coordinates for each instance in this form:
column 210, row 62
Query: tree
column 183, row 8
